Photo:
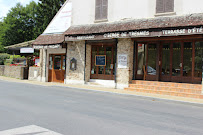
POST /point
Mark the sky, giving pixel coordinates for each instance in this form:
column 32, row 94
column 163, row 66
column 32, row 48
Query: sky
column 6, row 5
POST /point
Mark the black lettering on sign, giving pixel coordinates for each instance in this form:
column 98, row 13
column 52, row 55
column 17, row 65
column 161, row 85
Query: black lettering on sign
column 100, row 60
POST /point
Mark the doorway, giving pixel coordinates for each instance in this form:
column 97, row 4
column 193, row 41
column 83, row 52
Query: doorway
column 103, row 62
column 146, row 59
column 56, row 68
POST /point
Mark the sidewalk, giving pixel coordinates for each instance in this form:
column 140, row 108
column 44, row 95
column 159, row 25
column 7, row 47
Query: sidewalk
column 156, row 97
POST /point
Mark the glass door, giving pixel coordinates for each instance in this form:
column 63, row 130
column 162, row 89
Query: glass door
column 151, row 64
column 146, row 61
column 187, row 61
column 165, row 72
column 198, row 60
column 141, row 61
column 181, row 62
column 176, row 62
column 106, row 70
column 172, row 61
column 56, row 68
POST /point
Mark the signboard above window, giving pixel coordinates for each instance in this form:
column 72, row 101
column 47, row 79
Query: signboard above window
column 133, row 34
column 26, row 50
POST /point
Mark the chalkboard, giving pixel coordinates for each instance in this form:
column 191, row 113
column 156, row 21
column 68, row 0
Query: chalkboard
column 100, row 60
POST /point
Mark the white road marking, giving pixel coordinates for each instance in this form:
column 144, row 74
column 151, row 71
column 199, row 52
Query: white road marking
column 29, row 130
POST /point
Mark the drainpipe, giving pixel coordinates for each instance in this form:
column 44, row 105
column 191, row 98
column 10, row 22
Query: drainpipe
column 116, row 64
column 85, row 62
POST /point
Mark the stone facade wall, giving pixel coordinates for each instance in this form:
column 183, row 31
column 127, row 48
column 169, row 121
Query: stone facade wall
column 124, row 75
column 2, row 67
column 76, row 50
column 34, row 73
column 88, row 63
column 14, row 71
column 41, row 63
column 43, row 71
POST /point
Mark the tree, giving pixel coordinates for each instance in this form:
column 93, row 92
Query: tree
column 1, row 36
column 47, row 9
column 19, row 25
column 27, row 23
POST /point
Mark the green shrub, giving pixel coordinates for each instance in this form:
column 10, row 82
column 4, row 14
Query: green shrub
column 16, row 56
column 3, row 57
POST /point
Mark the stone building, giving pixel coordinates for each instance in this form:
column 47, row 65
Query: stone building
column 114, row 43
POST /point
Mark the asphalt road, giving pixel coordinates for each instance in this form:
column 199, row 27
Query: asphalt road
column 72, row 111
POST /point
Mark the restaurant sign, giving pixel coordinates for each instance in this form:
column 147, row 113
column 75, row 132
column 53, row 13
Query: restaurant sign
column 134, row 34
column 26, row 50
column 47, row 46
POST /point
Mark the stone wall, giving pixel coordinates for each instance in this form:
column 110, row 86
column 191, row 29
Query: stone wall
column 14, row 71
column 76, row 50
column 2, row 67
column 88, row 63
column 34, row 73
column 124, row 75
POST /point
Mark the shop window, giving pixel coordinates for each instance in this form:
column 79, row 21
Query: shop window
column 101, row 10
column 50, row 62
column 164, row 6
column 57, row 62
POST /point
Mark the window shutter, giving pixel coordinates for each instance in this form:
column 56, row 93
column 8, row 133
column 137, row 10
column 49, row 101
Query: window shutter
column 169, row 5
column 104, row 9
column 160, row 6
column 101, row 9
column 98, row 9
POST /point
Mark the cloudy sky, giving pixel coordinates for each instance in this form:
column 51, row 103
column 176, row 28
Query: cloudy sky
column 6, row 5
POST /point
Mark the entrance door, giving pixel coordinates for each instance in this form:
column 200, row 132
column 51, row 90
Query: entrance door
column 151, row 65
column 104, row 70
column 146, row 59
column 56, row 68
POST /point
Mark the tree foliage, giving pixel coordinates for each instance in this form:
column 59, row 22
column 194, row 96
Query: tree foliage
column 24, row 23
column 18, row 26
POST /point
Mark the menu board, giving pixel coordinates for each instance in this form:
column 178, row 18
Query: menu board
column 100, row 60
column 122, row 60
